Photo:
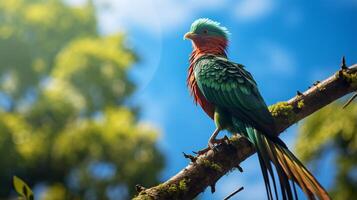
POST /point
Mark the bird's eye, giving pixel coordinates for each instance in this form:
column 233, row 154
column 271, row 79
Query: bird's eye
column 205, row 31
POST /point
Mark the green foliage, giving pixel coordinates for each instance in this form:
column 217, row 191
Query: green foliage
column 55, row 192
column 96, row 68
column 22, row 189
column 32, row 32
column 64, row 123
column 333, row 129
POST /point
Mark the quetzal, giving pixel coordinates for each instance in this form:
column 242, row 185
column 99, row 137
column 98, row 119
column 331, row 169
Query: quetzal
column 229, row 95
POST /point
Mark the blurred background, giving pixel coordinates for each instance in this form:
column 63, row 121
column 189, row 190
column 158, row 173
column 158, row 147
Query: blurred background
column 93, row 98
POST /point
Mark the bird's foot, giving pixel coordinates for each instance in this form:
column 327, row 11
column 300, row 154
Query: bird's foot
column 202, row 151
column 225, row 139
column 212, row 145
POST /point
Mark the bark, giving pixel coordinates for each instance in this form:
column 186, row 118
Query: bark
column 204, row 171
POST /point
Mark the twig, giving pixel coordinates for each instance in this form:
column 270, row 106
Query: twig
column 233, row 193
column 213, row 188
column 349, row 101
column 343, row 63
column 139, row 188
column 240, row 169
column 192, row 158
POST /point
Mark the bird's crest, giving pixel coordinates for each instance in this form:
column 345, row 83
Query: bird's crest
column 208, row 24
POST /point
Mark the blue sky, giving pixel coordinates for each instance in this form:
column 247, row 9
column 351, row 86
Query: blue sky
column 286, row 45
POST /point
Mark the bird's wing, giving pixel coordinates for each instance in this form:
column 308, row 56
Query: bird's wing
column 229, row 85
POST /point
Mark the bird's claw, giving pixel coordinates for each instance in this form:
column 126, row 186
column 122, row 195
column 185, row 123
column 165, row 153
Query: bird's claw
column 216, row 142
column 212, row 145
column 203, row 151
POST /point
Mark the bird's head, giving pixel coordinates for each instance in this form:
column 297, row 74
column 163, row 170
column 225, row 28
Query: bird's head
column 206, row 33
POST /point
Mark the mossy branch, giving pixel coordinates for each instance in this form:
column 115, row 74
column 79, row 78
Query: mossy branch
column 208, row 168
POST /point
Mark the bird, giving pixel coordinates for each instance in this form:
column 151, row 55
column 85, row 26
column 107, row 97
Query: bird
column 229, row 95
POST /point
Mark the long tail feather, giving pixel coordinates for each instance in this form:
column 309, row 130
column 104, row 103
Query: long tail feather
column 289, row 169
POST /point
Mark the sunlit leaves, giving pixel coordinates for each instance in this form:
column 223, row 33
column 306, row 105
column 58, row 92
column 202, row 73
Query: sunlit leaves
column 325, row 127
column 62, row 88
column 333, row 129
column 33, row 31
column 22, row 189
column 95, row 67
column 55, row 192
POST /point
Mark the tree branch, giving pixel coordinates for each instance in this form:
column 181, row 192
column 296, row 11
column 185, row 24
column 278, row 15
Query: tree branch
column 207, row 169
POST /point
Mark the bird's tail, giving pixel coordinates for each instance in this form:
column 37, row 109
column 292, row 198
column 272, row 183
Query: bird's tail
column 289, row 169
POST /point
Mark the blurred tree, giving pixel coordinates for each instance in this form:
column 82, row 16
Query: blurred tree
column 64, row 126
column 32, row 32
column 333, row 129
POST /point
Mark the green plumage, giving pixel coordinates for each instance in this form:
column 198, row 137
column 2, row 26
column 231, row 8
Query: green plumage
column 229, row 94
column 240, row 108
column 234, row 92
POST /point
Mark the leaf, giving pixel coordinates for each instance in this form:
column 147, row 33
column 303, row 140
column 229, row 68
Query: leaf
column 22, row 188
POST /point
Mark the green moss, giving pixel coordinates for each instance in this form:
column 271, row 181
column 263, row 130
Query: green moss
column 282, row 111
column 211, row 165
column 234, row 139
column 177, row 189
column 321, row 89
column 142, row 197
column 351, row 78
column 183, row 185
column 300, row 104
column 172, row 189
column 160, row 186
column 169, row 191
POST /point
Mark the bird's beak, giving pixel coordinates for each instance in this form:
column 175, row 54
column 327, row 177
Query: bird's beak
column 189, row 35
